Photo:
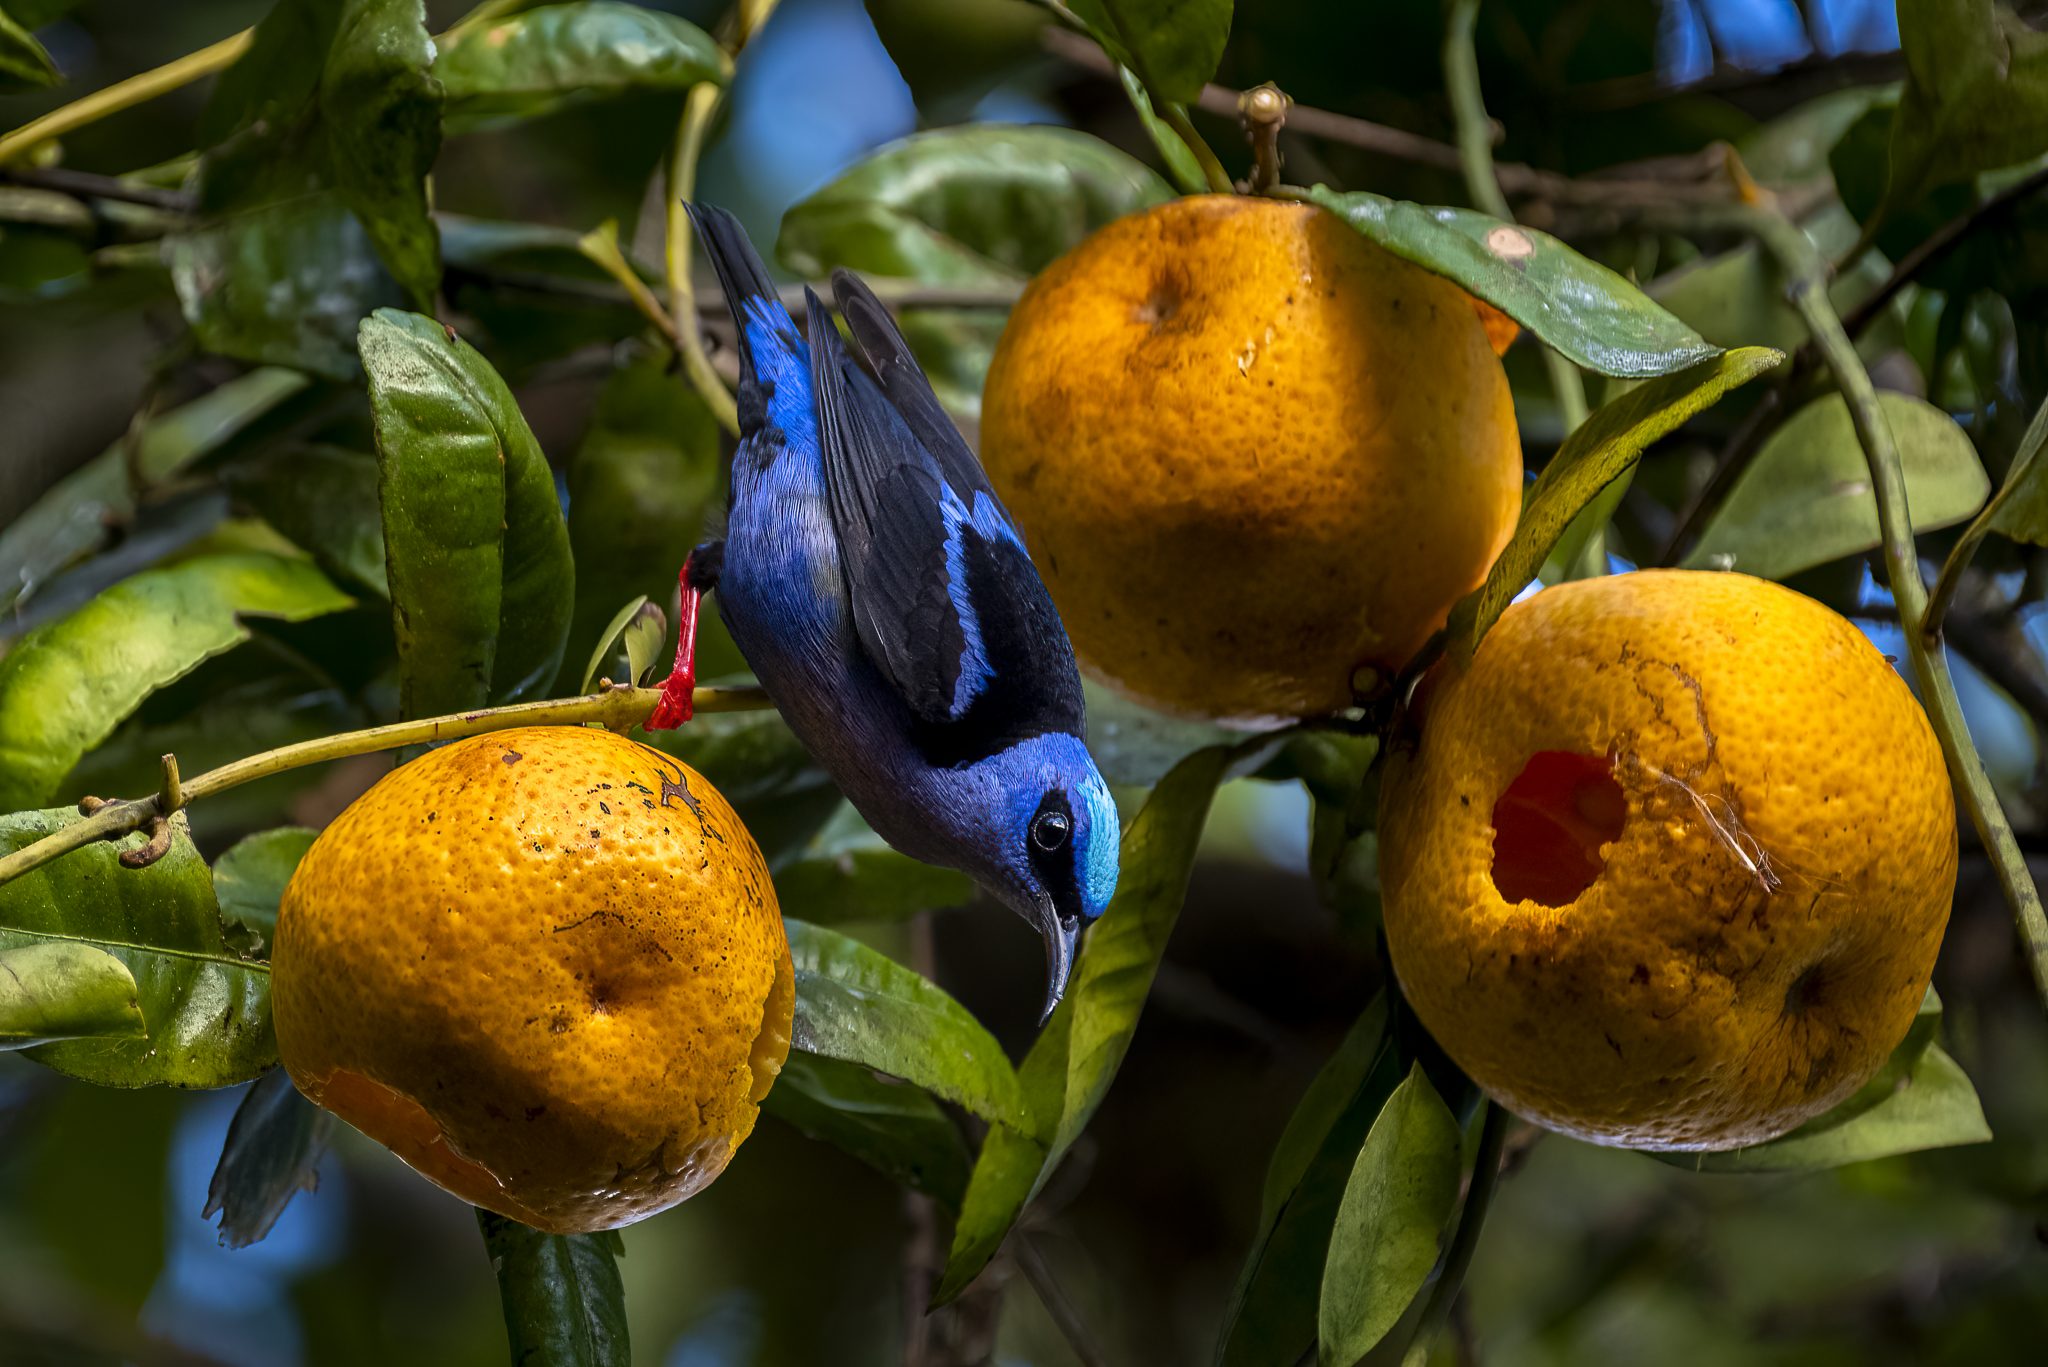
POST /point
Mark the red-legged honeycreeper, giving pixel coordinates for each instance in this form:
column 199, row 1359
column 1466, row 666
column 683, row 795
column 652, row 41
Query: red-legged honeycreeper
column 883, row 597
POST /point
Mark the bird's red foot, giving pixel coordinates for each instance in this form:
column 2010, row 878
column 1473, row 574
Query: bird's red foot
column 679, row 689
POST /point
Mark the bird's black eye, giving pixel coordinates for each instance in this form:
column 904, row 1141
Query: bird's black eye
column 1050, row 830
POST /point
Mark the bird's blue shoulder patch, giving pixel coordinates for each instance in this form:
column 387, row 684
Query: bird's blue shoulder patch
column 986, row 521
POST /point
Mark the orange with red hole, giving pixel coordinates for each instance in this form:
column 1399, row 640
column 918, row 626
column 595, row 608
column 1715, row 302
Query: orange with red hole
column 545, row 968
column 1670, row 860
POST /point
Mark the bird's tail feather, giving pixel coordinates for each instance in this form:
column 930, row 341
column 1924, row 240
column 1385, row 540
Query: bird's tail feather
column 741, row 275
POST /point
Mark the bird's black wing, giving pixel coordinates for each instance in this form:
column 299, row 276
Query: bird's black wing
column 943, row 596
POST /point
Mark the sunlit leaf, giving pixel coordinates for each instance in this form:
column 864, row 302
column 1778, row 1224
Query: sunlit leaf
column 66, row 685
column 1579, row 307
column 543, row 59
column 272, row 1154
column 63, row 991
column 1605, row 447
column 565, row 1305
column 1179, row 158
column 1391, row 1223
column 894, row 1128
column 206, row 1009
column 857, row 1005
column 608, row 644
column 1076, row 1057
column 1806, row 497
column 481, row 576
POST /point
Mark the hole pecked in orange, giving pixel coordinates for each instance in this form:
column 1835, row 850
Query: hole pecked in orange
column 1549, row 825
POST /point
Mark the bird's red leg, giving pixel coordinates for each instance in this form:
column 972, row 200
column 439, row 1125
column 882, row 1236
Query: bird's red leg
column 680, row 687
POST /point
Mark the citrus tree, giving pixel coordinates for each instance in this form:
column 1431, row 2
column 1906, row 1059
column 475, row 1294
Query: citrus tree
column 1574, row 485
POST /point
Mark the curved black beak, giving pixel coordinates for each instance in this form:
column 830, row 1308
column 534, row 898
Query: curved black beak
column 1060, row 933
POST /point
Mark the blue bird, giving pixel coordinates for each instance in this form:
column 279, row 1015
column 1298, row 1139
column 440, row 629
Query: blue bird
column 886, row 602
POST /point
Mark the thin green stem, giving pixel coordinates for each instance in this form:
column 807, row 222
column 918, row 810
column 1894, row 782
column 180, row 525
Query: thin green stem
column 2018, row 477
column 698, row 109
column 618, row 709
column 1482, row 184
column 126, row 94
column 1176, row 118
column 1808, row 272
column 1493, row 1133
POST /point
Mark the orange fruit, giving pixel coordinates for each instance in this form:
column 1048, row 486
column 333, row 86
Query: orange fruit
column 1251, row 453
column 1670, row 862
column 545, row 968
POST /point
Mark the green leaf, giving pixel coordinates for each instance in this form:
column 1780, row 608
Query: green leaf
column 206, row 1009
column 848, row 874
column 1074, row 1060
column 608, row 643
column 1181, row 163
column 894, row 1128
column 1603, row 449
column 66, row 685
column 1806, row 498
column 1173, row 45
column 1271, row 1315
column 981, row 205
column 482, row 581
column 978, row 204
column 857, row 1005
column 2021, row 509
column 565, row 1305
column 249, row 880
column 80, row 512
column 543, row 59
column 24, row 65
column 272, row 1154
column 1578, row 307
column 1136, row 746
column 381, row 111
column 312, row 188
column 1920, row 1099
column 324, row 499
column 60, row 991
column 1391, row 1224
column 1976, row 94
column 643, row 486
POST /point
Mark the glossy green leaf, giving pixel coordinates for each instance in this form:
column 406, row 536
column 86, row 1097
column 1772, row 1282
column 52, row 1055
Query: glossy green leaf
column 1390, row 1226
column 1976, row 94
column 857, row 1005
column 249, row 879
column 1179, row 158
column 24, row 65
column 324, row 499
column 1604, row 448
column 894, row 1128
column 1173, row 45
column 608, row 644
column 1271, row 1314
column 1580, row 308
column 66, row 685
column 542, row 59
column 2021, row 509
column 1806, row 498
column 642, row 638
column 272, row 1154
column 482, row 581
column 565, row 1305
column 62, row 991
column 1920, row 1099
column 81, row 510
column 974, row 205
column 643, row 486
column 381, row 112
column 1076, row 1057
column 848, row 874
column 206, row 1009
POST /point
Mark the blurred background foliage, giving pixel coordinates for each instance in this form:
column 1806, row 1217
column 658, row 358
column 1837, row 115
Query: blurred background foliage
column 801, row 1255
